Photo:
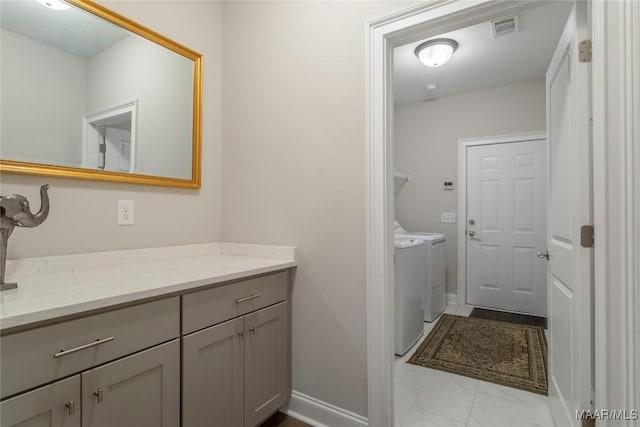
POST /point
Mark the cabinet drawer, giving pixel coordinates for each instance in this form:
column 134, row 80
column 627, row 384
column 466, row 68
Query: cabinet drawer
column 36, row 356
column 211, row 306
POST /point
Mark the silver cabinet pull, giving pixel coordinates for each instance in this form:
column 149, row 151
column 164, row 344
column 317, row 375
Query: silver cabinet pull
column 252, row 330
column 64, row 352
column 238, row 301
column 99, row 395
column 71, row 407
column 241, row 335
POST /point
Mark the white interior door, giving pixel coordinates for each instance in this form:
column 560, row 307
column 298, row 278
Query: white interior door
column 118, row 150
column 506, row 226
column 570, row 194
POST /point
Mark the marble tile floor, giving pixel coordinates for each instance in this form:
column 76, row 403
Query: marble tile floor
column 430, row 398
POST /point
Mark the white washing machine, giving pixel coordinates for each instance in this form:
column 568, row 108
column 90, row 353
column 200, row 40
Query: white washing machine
column 409, row 293
column 435, row 298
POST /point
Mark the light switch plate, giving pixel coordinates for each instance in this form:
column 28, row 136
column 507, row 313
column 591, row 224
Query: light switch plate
column 447, row 217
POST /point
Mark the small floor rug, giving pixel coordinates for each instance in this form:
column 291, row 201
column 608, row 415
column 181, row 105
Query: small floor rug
column 498, row 352
column 503, row 316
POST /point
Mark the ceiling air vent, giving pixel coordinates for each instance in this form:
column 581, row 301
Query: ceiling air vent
column 503, row 26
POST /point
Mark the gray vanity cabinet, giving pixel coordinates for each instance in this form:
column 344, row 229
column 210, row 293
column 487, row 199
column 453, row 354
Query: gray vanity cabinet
column 45, row 354
column 213, row 376
column 122, row 367
column 236, row 373
column 55, row 405
column 142, row 390
column 128, row 357
column 266, row 362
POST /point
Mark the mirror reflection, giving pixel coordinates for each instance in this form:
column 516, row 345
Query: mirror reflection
column 82, row 92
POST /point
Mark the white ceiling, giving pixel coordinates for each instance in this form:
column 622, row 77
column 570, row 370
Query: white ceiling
column 72, row 30
column 481, row 61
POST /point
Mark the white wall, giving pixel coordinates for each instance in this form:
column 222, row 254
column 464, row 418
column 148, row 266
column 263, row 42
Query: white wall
column 31, row 84
column 83, row 213
column 294, row 171
column 162, row 82
column 426, row 147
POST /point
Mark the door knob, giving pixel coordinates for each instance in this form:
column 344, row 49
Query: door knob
column 472, row 233
column 544, row 255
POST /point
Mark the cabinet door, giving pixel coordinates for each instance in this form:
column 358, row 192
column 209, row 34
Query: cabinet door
column 266, row 362
column 213, row 376
column 55, row 405
column 142, row 390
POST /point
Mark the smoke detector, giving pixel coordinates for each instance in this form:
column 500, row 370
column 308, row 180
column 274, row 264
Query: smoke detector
column 503, row 26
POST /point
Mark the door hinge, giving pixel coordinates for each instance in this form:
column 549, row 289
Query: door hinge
column 584, row 51
column 586, row 236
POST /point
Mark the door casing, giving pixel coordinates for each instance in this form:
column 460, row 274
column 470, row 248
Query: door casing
column 616, row 190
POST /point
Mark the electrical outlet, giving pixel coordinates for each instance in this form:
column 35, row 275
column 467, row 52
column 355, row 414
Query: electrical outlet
column 125, row 212
column 447, row 217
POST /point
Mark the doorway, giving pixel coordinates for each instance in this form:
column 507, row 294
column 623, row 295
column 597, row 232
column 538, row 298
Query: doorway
column 422, row 22
column 502, row 227
column 425, row 146
column 109, row 138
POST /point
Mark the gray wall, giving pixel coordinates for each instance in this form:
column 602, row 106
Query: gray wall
column 83, row 213
column 32, row 83
column 129, row 70
column 294, row 171
column 426, row 147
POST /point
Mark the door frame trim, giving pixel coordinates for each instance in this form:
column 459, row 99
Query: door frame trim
column 616, row 190
column 90, row 135
column 463, row 145
column 616, row 187
column 418, row 22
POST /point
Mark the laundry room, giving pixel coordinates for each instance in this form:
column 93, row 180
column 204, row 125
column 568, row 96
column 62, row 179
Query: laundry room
column 426, row 149
column 493, row 85
column 470, row 200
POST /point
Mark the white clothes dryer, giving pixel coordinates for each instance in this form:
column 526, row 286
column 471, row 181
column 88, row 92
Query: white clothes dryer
column 435, row 298
column 409, row 293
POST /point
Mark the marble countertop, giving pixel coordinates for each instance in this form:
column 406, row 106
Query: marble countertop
column 67, row 285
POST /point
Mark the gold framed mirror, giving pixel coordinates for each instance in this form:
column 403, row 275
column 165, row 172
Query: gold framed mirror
column 89, row 94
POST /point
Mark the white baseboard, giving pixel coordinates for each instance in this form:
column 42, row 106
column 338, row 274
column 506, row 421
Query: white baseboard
column 452, row 298
column 321, row 414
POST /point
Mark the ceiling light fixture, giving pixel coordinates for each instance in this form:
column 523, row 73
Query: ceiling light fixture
column 436, row 52
column 54, row 4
